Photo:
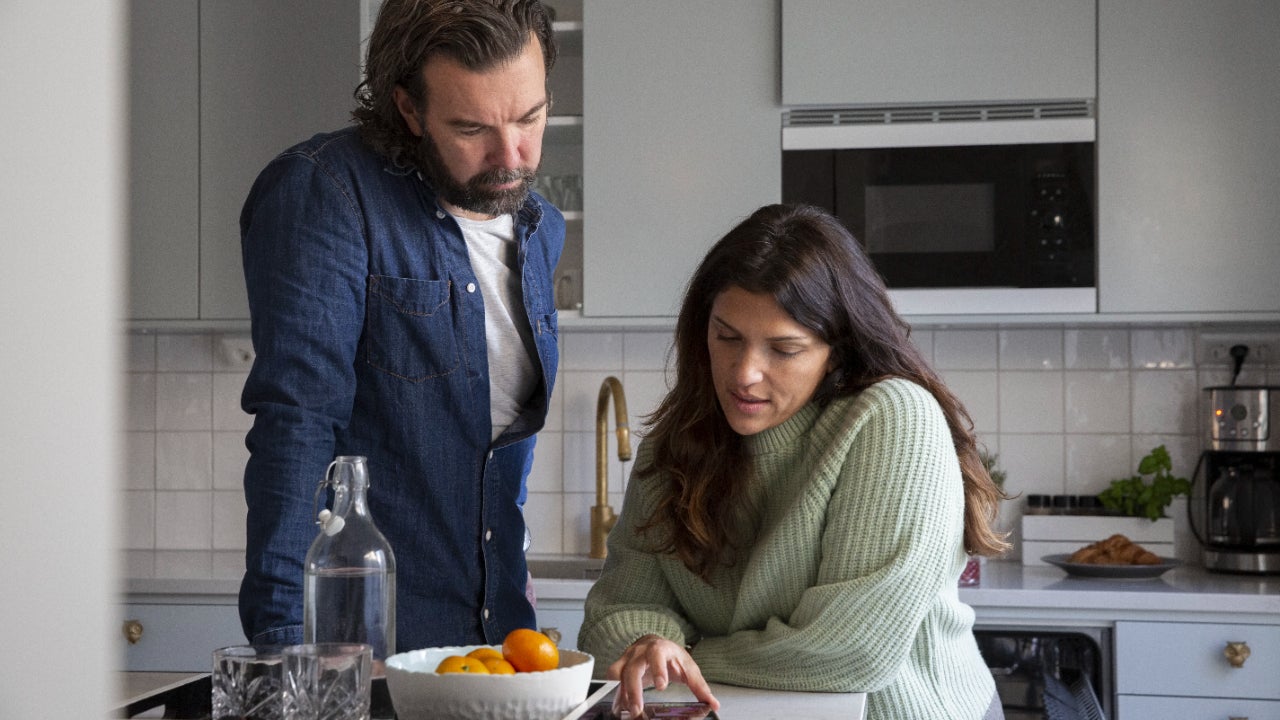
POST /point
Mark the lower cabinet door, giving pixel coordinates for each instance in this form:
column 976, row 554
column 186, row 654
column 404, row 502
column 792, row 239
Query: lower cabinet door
column 177, row 638
column 1191, row 659
column 1139, row 707
column 563, row 615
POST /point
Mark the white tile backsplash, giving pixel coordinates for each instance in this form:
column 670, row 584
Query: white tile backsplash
column 979, row 391
column 184, row 401
column 229, row 510
column 1068, row 409
column 1164, row 402
column 227, row 414
column 184, row 461
column 1097, row 401
column 646, row 350
column 601, row 351
column 184, row 520
column 1031, row 349
column 184, row 353
column 547, row 474
column 1093, row 461
column 966, row 349
column 1096, row 348
column 1031, row 401
column 1034, row 463
column 229, row 458
column 140, row 401
column 1163, row 348
column 140, row 461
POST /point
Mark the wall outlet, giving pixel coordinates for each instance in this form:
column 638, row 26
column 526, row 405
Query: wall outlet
column 1215, row 348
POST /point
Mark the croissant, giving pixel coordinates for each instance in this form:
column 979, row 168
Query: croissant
column 1115, row 550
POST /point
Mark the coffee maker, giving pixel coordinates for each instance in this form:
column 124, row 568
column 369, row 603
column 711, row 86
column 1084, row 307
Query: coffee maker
column 1235, row 503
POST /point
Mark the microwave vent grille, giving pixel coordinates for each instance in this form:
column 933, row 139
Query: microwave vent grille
column 893, row 114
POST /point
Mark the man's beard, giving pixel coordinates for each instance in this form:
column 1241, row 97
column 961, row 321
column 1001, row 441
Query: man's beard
column 475, row 194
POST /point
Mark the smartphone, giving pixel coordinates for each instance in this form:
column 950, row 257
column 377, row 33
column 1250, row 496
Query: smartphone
column 655, row 711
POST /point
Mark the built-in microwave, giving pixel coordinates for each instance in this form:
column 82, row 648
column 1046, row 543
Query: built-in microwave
column 962, row 209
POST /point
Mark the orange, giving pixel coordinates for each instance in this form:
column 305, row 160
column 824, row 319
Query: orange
column 498, row 666
column 530, row 651
column 460, row 664
column 485, row 653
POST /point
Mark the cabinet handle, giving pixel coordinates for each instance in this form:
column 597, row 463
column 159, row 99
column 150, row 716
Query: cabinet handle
column 1236, row 653
column 132, row 631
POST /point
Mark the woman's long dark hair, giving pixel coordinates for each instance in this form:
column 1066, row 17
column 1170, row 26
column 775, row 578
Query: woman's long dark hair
column 820, row 276
column 478, row 34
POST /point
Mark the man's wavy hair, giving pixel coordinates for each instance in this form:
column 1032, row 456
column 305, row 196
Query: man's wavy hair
column 478, row 34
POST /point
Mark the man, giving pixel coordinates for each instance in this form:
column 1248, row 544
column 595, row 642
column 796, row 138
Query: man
column 400, row 288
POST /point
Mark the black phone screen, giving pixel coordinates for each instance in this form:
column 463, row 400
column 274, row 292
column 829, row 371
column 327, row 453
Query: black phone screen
column 655, row 711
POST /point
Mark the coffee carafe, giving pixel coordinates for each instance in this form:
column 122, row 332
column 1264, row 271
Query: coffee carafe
column 1235, row 504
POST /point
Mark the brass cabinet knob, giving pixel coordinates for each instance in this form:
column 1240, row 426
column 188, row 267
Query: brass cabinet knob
column 1236, row 653
column 132, row 631
column 553, row 633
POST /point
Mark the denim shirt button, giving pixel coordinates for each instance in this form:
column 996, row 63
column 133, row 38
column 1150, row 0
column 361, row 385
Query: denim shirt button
column 471, row 287
column 488, row 535
column 486, row 613
column 440, row 214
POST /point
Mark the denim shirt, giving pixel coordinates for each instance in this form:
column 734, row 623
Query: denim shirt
column 368, row 329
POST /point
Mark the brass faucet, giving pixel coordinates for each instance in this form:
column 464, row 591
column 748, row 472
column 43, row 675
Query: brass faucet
column 602, row 517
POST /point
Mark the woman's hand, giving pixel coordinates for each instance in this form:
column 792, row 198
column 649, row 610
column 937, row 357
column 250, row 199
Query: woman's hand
column 655, row 660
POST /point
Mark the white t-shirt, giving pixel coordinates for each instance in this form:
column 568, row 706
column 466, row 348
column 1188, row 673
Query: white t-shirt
column 513, row 376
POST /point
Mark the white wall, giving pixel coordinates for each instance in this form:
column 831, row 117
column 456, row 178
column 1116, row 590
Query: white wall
column 62, row 220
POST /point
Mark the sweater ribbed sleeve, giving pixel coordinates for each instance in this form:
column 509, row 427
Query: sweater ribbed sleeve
column 850, row 583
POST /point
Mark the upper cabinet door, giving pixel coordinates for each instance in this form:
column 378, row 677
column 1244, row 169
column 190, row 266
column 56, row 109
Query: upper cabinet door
column 681, row 133
column 1188, row 156
column 164, row 156
column 859, row 52
column 272, row 74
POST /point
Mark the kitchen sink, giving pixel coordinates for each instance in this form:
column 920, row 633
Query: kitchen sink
column 565, row 567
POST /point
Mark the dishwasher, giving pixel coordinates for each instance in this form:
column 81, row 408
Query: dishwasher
column 1050, row 673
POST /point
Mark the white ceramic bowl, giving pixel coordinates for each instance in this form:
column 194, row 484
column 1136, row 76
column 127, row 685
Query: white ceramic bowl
column 419, row 693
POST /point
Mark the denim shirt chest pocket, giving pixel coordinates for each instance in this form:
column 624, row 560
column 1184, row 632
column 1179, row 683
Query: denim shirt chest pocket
column 410, row 328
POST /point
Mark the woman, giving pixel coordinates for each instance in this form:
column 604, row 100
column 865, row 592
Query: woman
column 805, row 500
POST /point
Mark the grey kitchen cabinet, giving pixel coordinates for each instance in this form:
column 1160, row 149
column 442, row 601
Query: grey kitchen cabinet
column 1182, row 670
column 885, row 52
column 177, row 636
column 164, row 157
column 219, row 88
column 1188, row 156
column 681, row 133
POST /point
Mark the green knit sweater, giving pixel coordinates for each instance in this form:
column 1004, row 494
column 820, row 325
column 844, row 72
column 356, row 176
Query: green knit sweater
column 850, row 583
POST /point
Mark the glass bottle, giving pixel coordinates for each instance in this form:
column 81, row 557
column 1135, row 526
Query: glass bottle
column 349, row 589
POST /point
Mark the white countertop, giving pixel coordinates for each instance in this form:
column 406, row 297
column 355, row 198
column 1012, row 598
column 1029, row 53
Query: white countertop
column 1012, row 592
column 1009, row 592
column 739, row 703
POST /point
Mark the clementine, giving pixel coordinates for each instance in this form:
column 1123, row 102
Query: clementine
column 485, row 653
column 498, row 666
column 460, row 664
column 530, row 651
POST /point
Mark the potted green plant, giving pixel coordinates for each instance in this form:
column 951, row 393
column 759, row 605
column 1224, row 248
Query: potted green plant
column 1136, row 496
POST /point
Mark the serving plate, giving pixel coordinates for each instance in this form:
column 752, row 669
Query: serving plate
column 1113, row 572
